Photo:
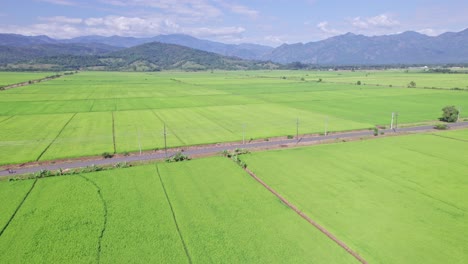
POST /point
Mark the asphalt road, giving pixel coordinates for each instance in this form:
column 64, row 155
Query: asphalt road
column 212, row 150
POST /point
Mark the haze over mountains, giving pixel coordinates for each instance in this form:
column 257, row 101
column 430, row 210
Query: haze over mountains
column 348, row 49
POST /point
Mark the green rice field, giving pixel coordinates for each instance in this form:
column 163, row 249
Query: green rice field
column 94, row 112
column 393, row 200
column 201, row 211
column 7, row 78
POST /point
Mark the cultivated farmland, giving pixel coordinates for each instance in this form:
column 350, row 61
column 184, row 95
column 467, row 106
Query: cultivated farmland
column 393, row 200
column 7, row 78
column 201, row 211
column 94, row 112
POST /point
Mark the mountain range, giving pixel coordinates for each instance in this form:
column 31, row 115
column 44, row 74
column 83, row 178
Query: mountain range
column 348, row 49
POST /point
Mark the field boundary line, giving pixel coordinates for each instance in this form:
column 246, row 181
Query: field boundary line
column 308, row 219
column 21, row 84
column 18, row 208
column 104, row 205
column 113, row 132
column 452, row 138
column 174, row 216
column 58, row 134
column 7, row 119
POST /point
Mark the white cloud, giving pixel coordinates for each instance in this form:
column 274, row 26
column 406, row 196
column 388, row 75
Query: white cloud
column 430, row 31
column 193, row 8
column 214, row 31
column 324, row 27
column 65, row 27
column 59, row 2
column 62, row 19
column 380, row 21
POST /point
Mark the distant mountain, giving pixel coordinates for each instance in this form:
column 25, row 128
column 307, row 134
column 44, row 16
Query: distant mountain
column 350, row 49
column 16, row 40
column 152, row 56
column 244, row 51
column 13, row 54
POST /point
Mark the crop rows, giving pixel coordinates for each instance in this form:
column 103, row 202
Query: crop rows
column 393, row 200
column 125, row 111
column 219, row 212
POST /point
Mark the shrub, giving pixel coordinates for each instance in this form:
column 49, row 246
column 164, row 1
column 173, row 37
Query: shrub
column 412, row 84
column 126, row 154
column 107, row 155
column 290, row 136
column 178, row 157
column 266, row 139
column 376, row 131
column 450, row 114
column 441, row 126
column 358, row 83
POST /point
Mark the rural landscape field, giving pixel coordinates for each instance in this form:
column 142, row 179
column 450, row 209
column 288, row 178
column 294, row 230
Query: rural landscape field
column 393, row 200
column 89, row 113
column 216, row 131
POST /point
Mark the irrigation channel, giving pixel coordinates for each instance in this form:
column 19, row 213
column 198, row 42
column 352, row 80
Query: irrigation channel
column 210, row 150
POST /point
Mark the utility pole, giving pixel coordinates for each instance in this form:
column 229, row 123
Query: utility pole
column 391, row 124
column 458, row 115
column 297, row 129
column 165, row 140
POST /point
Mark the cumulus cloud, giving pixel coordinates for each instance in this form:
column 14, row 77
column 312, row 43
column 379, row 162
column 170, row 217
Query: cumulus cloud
column 380, row 21
column 324, row 27
column 62, row 19
column 65, row 27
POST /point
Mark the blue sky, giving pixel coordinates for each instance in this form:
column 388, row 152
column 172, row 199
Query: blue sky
column 239, row 21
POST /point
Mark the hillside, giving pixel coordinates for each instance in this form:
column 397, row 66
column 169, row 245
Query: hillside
column 152, row 57
column 141, row 54
column 13, row 54
column 350, row 49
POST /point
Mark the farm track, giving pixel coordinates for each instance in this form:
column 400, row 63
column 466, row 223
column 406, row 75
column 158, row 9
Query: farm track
column 58, row 134
column 307, row 218
column 174, row 216
column 214, row 149
column 104, row 206
column 16, row 85
column 18, row 208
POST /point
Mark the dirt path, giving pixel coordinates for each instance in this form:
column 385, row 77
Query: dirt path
column 308, row 219
column 16, row 85
column 210, row 150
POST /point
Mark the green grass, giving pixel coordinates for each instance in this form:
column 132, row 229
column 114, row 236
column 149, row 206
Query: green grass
column 393, row 200
column 59, row 222
column 203, row 107
column 139, row 220
column 227, row 217
column 11, row 193
column 222, row 214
